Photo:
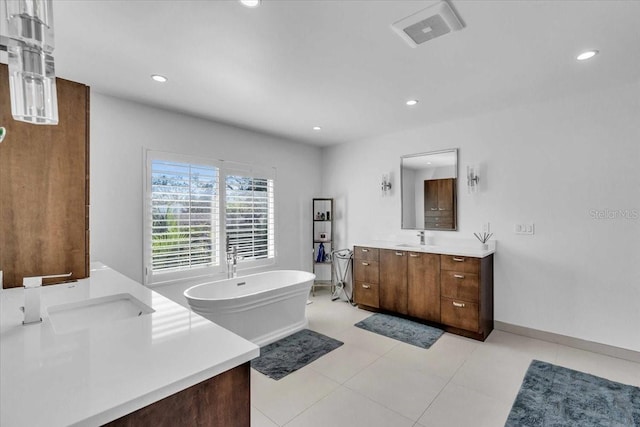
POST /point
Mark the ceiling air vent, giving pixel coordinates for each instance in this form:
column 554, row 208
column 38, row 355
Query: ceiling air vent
column 426, row 24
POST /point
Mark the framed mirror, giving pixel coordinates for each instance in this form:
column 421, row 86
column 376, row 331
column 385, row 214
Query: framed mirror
column 428, row 190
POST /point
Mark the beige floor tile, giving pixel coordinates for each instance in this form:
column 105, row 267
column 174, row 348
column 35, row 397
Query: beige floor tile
column 258, row 419
column 347, row 408
column 282, row 400
column 406, row 391
column 367, row 341
column 343, row 362
column 444, row 358
column 458, row 406
column 611, row 368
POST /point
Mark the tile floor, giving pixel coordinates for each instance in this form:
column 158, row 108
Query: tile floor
column 375, row 381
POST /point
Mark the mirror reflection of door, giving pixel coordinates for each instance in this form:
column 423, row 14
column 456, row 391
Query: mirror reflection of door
column 439, row 196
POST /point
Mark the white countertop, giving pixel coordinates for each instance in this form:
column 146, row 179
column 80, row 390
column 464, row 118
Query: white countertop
column 462, row 248
column 96, row 375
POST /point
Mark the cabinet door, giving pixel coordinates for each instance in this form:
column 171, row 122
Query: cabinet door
column 430, row 197
column 44, row 189
column 445, row 195
column 423, row 285
column 393, row 281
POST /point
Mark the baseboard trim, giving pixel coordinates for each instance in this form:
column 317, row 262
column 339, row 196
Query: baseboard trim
column 608, row 350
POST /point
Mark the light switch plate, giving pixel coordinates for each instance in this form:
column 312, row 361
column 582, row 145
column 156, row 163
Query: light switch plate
column 524, row 228
column 486, row 227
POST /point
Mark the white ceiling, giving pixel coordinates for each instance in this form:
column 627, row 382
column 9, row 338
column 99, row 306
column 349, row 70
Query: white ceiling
column 290, row 65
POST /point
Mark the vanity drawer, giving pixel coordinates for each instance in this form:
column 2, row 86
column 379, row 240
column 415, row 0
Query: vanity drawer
column 457, row 285
column 366, row 271
column 367, row 294
column 460, row 264
column 364, row 253
column 445, row 224
column 459, row 314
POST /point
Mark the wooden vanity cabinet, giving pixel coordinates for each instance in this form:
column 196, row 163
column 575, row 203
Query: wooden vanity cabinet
column 393, row 281
column 423, row 286
column 366, row 276
column 456, row 292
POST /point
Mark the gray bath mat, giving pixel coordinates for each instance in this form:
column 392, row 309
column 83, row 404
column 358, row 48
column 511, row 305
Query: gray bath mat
column 404, row 330
column 280, row 358
column 551, row 395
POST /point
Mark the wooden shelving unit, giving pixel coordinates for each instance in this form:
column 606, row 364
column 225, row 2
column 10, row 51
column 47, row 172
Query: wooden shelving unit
column 322, row 242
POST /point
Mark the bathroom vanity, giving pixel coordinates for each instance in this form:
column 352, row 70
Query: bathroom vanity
column 449, row 286
column 93, row 361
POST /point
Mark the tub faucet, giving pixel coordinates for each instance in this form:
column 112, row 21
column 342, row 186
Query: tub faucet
column 32, row 287
column 421, row 235
column 232, row 262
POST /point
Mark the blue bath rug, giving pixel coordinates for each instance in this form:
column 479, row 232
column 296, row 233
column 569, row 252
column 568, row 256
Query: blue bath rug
column 551, row 395
column 400, row 329
column 280, row 358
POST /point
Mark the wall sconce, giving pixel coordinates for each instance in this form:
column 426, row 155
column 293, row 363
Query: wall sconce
column 472, row 178
column 386, row 184
column 27, row 36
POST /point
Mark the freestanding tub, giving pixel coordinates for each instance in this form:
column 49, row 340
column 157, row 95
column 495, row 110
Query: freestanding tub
column 261, row 308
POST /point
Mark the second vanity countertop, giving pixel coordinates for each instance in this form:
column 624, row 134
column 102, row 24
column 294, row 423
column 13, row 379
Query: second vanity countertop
column 462, row 248
column 95, row 375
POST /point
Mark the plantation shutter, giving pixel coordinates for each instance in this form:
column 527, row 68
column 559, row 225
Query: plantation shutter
column 249, row 213
column 184, row 216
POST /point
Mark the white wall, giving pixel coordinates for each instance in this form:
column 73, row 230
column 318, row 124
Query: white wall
column 121, row 130
column 551, row 164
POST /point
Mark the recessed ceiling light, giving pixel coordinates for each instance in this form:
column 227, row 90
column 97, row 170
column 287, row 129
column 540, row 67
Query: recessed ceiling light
column 317, row 128
column 412, row 102
column 159, row 78
column 251, row 3
column 586, row 55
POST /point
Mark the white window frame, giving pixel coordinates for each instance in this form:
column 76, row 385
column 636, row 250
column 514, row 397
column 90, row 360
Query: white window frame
column 225, row 168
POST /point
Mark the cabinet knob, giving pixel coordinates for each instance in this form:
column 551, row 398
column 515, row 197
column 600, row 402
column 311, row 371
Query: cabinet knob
column 458, row 304
column 365, row 264
column 366, row 286
column 458, row 276
column 458, row 259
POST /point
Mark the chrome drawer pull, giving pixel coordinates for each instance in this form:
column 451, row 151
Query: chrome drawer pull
column 458, row 304
column 414, row 255
column 441, row 209
column 400, row 253
column 366, row 286
column 365, row 263
column 434, row 209
column 458, row 259
column 365, row 250
column 458, row 276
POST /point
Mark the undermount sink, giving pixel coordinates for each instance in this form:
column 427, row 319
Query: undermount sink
column 80, row 315
column 405, row 245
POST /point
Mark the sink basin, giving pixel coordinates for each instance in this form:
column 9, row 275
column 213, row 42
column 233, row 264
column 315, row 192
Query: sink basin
column 80, row 315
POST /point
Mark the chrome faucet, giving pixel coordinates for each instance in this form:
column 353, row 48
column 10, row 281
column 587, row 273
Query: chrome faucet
column 232, row 260
column 421, row 235
column 32, row 287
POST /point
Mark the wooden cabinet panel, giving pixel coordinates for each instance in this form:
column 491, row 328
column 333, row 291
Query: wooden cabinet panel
column 460, row 314
column 366, row 254
column 224, row 400
column 460, row 264
column 445, row 194
column 423, row 286
column 458, row 285
column 367, row 293
column 365, row 271
column 393, row 280
column 440, row 203
column 44, row 189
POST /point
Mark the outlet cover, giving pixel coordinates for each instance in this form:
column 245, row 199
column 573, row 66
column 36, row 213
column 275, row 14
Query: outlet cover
column 524, row 228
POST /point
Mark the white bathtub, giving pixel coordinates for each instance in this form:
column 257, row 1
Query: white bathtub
column 261, row 308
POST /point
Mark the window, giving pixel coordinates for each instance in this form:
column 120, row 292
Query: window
column 191, row 222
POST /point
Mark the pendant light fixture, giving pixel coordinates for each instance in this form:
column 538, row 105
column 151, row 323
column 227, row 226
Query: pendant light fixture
column 27, row 35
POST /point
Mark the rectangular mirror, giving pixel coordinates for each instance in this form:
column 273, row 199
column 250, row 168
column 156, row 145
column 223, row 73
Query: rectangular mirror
column 428, row 190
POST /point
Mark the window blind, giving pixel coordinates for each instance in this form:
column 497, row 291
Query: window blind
column 249, row 215
column 184, row 216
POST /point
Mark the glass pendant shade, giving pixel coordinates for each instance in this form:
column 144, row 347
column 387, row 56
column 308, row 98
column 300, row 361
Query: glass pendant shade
column 32, row 83
column 31, row 22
